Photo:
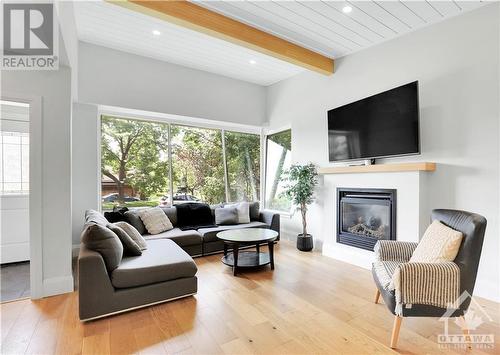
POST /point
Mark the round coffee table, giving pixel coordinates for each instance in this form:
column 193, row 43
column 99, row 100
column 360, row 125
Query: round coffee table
column 236, row 238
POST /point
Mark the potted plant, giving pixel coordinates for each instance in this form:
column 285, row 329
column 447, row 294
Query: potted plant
column 301, row 181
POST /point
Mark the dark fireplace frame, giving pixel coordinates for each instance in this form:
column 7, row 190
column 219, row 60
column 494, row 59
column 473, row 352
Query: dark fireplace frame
column 382, row 196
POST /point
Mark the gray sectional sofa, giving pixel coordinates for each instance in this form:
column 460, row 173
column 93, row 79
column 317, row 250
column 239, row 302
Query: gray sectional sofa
column 165, row 270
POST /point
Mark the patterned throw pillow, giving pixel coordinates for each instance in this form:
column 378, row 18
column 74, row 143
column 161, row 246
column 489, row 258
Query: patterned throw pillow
column 133, row 233
column 439, row 244
column 155, row 220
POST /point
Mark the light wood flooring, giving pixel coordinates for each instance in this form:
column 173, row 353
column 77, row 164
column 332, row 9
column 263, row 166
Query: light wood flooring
column 309, row 304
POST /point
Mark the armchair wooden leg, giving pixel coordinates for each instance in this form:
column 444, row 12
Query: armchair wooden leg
column 465, row 331
column 377, row 296
column 395, row 331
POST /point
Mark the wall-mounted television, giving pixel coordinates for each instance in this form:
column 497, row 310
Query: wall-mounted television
column 382, row 125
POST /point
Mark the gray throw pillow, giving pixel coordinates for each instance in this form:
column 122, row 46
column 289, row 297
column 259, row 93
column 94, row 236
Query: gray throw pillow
column 227, row 215
column 134, row 234
column 104, row 241
column 93, row 216
column 130, row 247
column 134, row 220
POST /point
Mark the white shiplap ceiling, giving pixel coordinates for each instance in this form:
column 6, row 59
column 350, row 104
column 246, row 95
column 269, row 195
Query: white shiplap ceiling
column 115, row 27
column 321, row 26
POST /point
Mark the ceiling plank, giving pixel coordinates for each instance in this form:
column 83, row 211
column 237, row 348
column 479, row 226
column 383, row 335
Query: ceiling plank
column 200, row 19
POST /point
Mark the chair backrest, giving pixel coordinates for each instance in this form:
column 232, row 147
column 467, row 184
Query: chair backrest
column 473, row 227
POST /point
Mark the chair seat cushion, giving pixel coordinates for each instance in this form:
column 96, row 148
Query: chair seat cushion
column 384, row 270
column 163, row 260
column 180, row 237
column 209, row 234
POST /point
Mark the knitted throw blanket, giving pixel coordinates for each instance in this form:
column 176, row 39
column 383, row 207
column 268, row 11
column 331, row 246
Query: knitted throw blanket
column 435, row 284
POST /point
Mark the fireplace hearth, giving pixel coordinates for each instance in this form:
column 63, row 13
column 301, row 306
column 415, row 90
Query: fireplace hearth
column 365, row 216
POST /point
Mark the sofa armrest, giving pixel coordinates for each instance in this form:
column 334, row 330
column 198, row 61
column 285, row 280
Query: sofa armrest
column 272, row 219
column 434, row 284
column 392, row 250
column 93, row 281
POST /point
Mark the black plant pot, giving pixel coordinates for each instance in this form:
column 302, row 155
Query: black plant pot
column 304, row 243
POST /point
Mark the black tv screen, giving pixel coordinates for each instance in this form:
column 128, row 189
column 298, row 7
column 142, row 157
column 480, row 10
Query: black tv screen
column 382, row 125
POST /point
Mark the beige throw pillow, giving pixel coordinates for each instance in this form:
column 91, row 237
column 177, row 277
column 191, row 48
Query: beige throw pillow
column 155, row 220
column 439, row 244
column 133, row 233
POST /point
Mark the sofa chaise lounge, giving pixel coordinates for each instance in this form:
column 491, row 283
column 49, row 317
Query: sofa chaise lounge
column 165, row 271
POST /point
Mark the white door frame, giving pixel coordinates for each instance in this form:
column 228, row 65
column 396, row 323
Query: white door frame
column 35, row 193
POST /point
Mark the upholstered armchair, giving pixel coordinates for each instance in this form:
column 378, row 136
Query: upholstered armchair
column 414, row 289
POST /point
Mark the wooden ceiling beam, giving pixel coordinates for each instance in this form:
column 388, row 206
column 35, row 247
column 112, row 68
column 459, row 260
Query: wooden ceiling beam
column 200, row 19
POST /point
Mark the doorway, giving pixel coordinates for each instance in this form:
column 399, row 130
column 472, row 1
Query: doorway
column 14, row 200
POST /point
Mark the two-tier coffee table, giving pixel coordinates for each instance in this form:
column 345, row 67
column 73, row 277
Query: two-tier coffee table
column 236, row 238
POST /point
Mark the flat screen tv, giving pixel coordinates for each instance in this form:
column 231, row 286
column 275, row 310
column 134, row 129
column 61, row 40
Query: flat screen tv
column 382, row 125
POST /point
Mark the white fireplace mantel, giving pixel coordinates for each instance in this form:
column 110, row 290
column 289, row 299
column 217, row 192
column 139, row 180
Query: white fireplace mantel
column 412, row 211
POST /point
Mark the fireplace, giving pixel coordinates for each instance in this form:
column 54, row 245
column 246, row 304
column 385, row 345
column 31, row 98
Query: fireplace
column 365, row 216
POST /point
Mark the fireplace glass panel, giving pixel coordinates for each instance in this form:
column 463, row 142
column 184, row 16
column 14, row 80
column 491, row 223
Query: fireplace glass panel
column 366, row 219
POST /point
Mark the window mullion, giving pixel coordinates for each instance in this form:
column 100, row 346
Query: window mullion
column 170, row 180
column 226, row 177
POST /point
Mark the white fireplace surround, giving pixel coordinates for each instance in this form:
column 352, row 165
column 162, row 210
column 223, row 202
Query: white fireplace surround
column 412, row 212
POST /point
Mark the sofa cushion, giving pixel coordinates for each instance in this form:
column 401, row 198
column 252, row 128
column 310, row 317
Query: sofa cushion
column 209, row 234
column 225, row 216
column 171, row 213
column 92, row 216
column 163, row 260
column 180, row 237
column 130, row 247
column 134, row 220
column 104, row 241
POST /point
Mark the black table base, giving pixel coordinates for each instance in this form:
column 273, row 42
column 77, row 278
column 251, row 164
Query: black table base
column 247, row 259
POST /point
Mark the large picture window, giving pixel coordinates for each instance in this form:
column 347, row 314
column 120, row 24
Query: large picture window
column 278, row 160
column 138, row 159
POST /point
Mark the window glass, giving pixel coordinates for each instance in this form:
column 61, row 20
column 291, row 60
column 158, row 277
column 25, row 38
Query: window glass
column 197, row 165
column 278, row 160
column 14, row 155
column 243, row 166
column 134, row 163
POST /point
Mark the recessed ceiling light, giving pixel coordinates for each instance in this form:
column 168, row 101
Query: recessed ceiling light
column 252, row 61
column 156, row 32
column 346, row 9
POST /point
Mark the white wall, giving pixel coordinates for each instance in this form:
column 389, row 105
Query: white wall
column 54, row 87
column 85, row 176
column 115, row 78
column 457, row 65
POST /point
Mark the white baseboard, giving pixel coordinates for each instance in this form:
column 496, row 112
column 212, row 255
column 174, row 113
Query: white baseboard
column 57, row 285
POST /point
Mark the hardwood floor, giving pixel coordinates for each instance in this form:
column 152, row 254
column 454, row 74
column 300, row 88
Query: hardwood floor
column 308, row 304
